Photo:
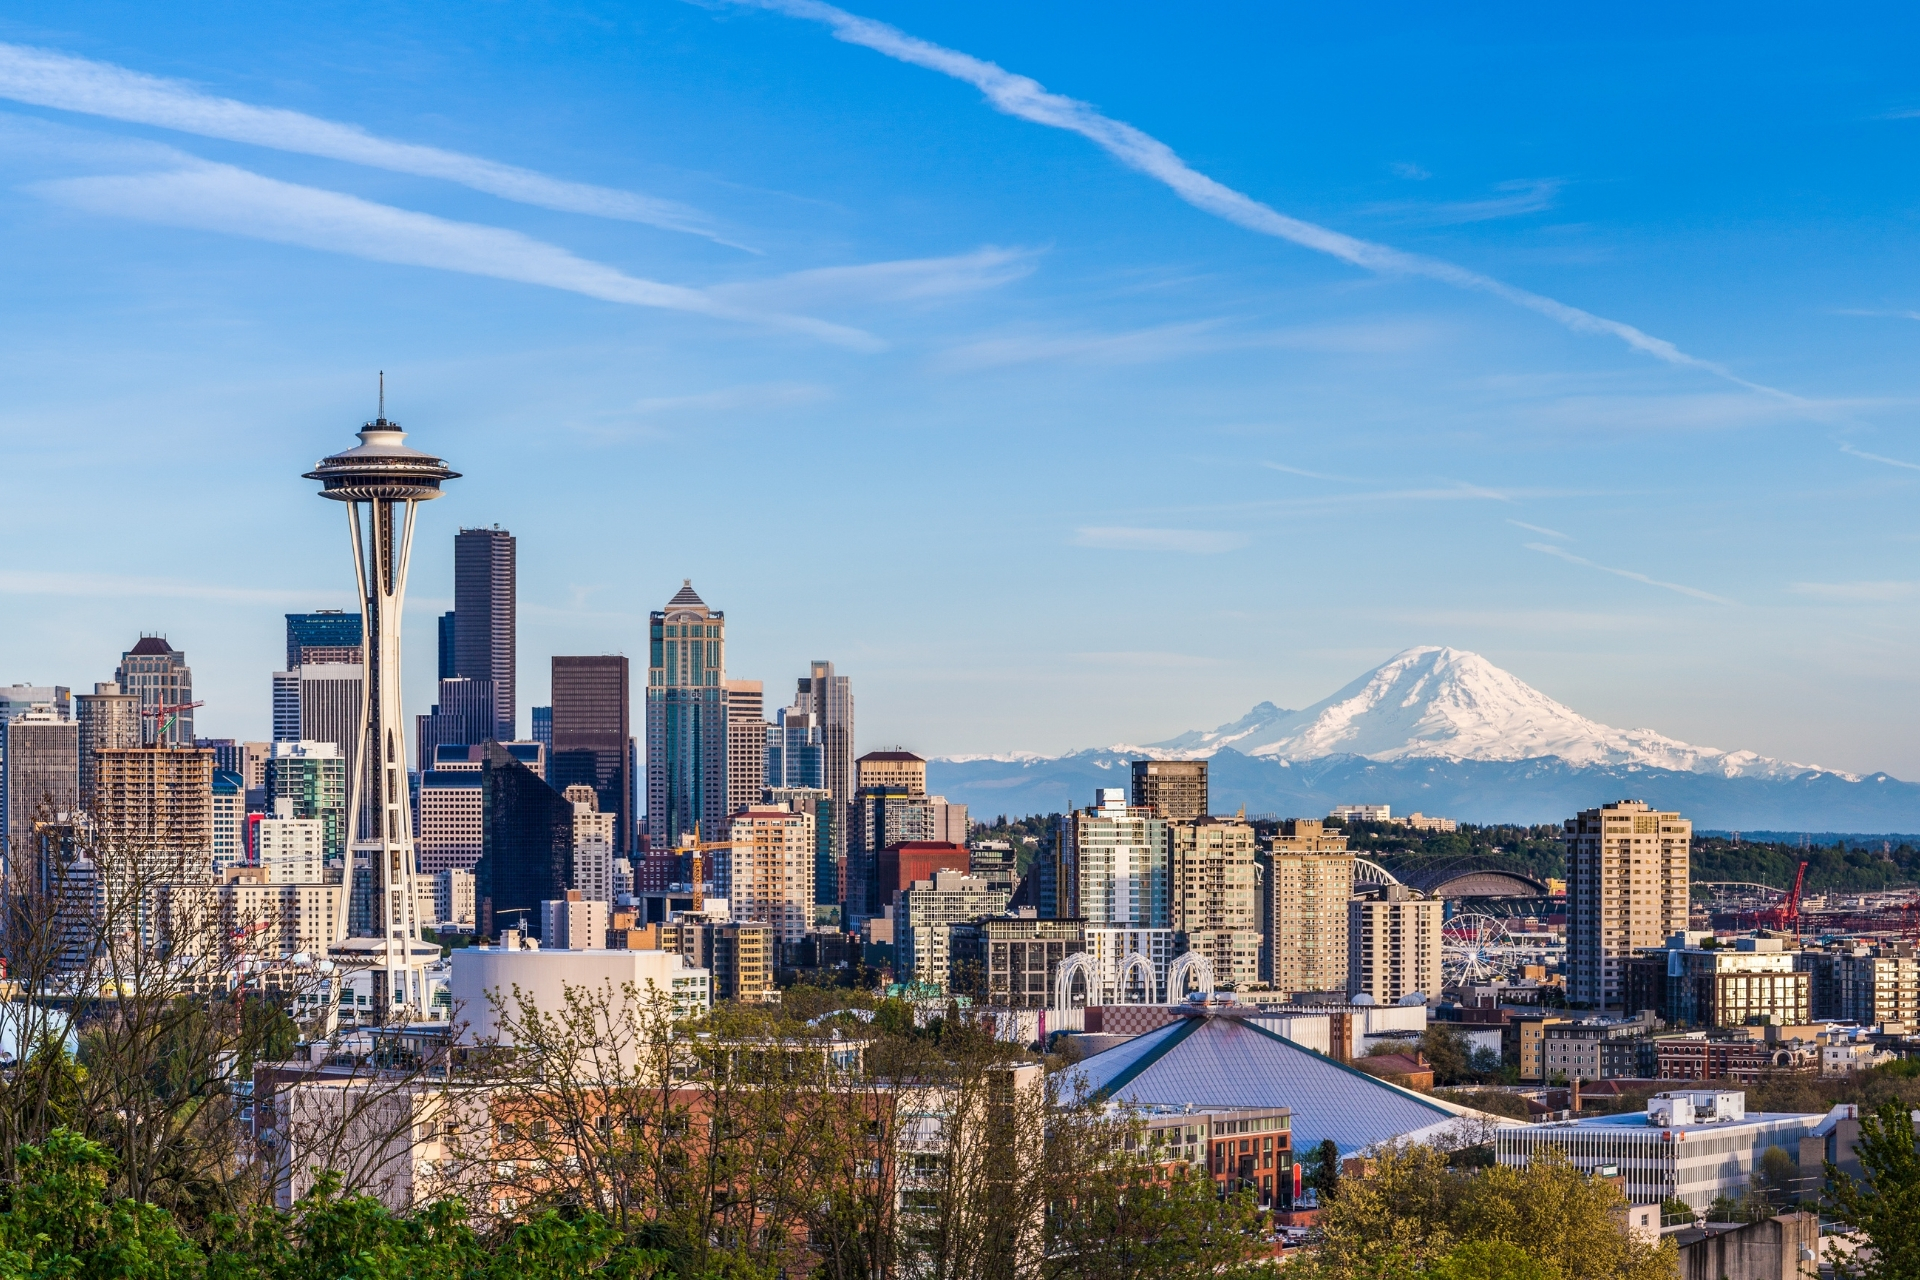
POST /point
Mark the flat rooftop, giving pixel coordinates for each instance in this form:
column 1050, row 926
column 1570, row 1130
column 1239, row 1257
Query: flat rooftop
column 1638, row 1120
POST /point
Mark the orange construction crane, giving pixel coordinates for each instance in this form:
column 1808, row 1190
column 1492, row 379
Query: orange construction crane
column 692, row 845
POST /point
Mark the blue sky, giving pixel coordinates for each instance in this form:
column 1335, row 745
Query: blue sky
column 906, row 375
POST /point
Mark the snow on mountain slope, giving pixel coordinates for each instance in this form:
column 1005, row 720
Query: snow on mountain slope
column 1450, row 704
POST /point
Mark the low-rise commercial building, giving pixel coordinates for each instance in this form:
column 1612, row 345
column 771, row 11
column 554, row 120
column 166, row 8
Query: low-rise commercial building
column 1703, row 1056
column 1694, row 1146
column 1601, row 1049
column 1755, row 981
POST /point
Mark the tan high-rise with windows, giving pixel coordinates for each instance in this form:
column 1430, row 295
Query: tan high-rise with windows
column 891, row 769
column 1627, row 881
column 1393, row 945
column 153, row 809
column 1309, row 879
column 746, row 744
column 1213, row 895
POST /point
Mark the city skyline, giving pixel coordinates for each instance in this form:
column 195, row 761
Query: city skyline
column 1252, row 424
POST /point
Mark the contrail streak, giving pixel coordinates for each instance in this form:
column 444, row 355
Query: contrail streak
column 1021, row 96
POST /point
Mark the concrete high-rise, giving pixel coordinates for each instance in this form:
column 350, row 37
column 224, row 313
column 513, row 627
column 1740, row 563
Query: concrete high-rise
column 1393, row 943
column 323, row 636
column 1213, row 895
column 1627, row 884
column 1174, row 789
column 382, row 482
column 109, row 720
column 157, row 673
column 1309, row 879
column 746, row 744
column 153, row 814
column 484, row 616
column 686, row 720
column 589, row 730
column 229, row 820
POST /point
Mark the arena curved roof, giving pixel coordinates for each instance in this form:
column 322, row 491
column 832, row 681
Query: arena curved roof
column 1470, row 877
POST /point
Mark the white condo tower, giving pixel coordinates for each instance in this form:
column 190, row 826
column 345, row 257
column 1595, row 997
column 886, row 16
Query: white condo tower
column 381, row 481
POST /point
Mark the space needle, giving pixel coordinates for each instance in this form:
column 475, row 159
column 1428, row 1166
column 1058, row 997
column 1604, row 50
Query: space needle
column 382, row 481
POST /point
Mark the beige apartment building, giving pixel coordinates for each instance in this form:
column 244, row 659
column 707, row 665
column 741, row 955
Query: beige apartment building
column 1309, row 879
column 1393, row 943
column 153, row 809
column 770, row 870
column 1627, row 882
column 1213, row 895
column 592, row 844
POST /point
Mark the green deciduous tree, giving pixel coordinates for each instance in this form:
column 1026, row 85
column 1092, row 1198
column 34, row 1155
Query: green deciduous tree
column 1885, row 1207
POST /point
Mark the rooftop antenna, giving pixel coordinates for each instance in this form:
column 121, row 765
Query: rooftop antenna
column 383, row 395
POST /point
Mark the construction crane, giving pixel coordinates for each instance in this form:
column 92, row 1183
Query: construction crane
column 1787, row 914
column 166, row 713
column 693, row 846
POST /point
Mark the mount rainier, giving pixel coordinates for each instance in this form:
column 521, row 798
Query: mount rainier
column 1445, row 731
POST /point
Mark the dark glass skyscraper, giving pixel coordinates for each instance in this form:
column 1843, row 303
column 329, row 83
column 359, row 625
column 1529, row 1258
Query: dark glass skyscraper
column 444, row 651
column 589, row 724
column 686, row 721
column 484, row 618
column 526, row 844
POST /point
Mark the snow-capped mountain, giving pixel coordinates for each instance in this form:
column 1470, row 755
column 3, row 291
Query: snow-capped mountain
column 1446, row 731
column 1434, row 702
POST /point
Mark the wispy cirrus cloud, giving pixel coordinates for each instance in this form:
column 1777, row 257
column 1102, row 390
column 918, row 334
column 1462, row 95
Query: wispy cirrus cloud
column 45, row 78
column 1874, row 457
column 234, row 201
column 1191, row 541
column 1027, row 99
column 1518, row 197
column 1563, row 554
column 1857, row 592
column 903, row 280
column 1534, row 528
column 1284, row 469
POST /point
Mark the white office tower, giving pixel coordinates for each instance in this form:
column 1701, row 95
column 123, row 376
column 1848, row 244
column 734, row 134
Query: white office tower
column 592, row 844
column 453, row 899
column 292, row 850
column 382, row 482
column 1115, row 874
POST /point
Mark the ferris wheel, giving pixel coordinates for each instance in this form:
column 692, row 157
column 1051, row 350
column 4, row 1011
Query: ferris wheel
column 1474, row 947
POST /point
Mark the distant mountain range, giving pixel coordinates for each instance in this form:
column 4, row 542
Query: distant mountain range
column 1446, row 732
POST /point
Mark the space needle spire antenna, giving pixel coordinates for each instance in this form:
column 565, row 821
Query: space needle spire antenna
column 381, row 482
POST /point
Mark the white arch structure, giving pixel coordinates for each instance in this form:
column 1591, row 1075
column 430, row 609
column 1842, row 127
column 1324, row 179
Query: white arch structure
column 1366, row 871
column 1190, row 963
column 1081, row 963
column 1135, row 961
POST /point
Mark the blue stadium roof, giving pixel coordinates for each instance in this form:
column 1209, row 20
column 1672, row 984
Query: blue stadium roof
column 1227, row 1061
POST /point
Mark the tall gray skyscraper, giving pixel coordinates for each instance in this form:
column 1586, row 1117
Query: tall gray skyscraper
column 42, row 769
column 109, row 720
column 157, row 673
column 286, row 706
column 17, row 700
column 686, row 720
column 484, row 618
column 828, row 699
